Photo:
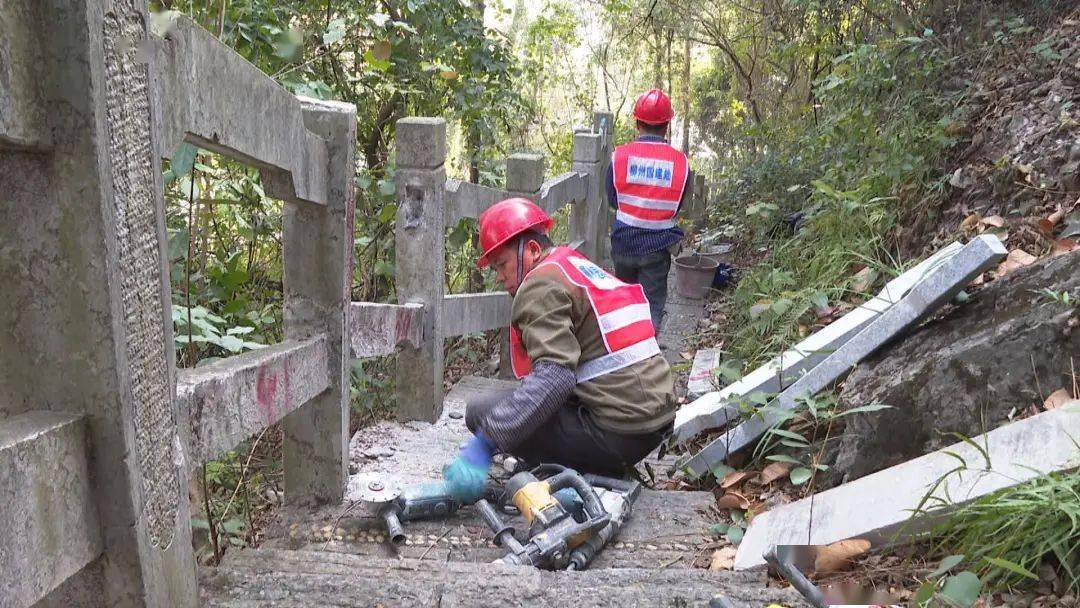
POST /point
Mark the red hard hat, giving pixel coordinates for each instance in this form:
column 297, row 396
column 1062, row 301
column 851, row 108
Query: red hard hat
column 506, row 219
column 653, row 107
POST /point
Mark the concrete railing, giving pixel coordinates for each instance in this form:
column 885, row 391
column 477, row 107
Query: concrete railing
column 98, row 429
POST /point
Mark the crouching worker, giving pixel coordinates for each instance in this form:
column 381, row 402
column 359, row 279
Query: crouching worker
column 595, row 393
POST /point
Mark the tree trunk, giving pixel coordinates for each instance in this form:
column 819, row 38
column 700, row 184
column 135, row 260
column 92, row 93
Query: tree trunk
column 686, row 97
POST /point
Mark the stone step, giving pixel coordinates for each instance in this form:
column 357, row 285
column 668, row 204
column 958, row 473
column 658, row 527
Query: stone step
column 286, row 579
column 666, row 530
column 416, row 451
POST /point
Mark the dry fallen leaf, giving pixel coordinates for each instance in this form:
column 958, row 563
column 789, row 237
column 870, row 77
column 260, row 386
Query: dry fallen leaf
column 970, row 222
column 1056, row 216
column 1046, row 227
column 774, row 471
column 979, row 280
column 995, row 221
column 732, row 500
column 839, row 555
column 734, row 478
column 1057, row 399
column 1063, row 246
column 1018, row 258
column 863, row 280
column 723, row 559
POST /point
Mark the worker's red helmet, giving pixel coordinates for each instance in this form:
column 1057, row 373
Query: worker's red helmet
column 506, row 219
column 653, row 107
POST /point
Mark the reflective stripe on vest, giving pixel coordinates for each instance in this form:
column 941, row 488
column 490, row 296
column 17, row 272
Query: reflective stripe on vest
column 650, row 178
column 621, row 311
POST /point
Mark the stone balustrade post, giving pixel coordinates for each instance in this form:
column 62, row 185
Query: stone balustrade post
column 85, row 307
column 604, row 127
column 420, row 274
column 524, row 177
column 585, row 216
column 317, row 265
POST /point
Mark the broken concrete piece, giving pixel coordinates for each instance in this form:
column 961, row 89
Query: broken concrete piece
column 878, row 507
column 700, row 380
column 936, row 289
column 715, row 409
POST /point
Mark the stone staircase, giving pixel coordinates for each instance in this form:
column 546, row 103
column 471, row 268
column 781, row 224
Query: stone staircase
column 339, row 556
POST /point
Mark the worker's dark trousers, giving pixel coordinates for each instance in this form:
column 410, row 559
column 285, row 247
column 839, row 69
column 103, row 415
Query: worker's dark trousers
column 651, row 271
column 571, row 438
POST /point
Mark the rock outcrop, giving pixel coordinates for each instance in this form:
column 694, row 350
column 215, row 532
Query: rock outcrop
column 986, row 362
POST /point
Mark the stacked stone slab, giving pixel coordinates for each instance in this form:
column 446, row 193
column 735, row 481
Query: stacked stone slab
column 939, row 287
column 879, row 507
column 712, row 409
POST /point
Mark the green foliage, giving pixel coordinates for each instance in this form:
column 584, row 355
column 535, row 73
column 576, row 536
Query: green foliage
column 224, row 257
column 1005, row 536
column 820, row 411
column 838, row 175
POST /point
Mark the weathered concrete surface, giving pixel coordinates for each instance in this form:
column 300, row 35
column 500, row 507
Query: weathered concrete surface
column 585, row 233
column 470, row 313
column 81, row 589
column 377, row 329
column 604, row 126
column 51, row 528
column 667, row 529
column 877, row 506
column 317, row 252
column 717, row 408
column 420, row 231
column 312, row 578
column 84, row 323
column 466, row 199
column 214, row 98
column 681, row 316
column 416, row 451
column 701, row 372
column 1007, row 349
column 524, row 174
column 232, row 399
column 22, row 82
column 935, row 290
column 568, row 188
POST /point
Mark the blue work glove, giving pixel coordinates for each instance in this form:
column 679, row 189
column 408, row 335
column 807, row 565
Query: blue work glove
column 466, row 475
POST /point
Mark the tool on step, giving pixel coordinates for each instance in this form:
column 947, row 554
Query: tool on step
column 553, row 532
column 782, row 558
column 618, row 497
column 396, row 504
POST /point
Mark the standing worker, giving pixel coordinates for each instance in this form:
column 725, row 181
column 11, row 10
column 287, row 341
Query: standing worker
column 646, row 184
column 595, row 394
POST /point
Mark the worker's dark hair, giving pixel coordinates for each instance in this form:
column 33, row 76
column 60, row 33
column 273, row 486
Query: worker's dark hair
column 532, row 235
column 660, row 129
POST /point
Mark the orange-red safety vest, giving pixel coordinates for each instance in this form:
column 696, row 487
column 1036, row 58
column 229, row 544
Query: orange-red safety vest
column 650, row 177
column 621, row 310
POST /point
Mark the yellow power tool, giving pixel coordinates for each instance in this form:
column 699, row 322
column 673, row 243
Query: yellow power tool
column 553, row 533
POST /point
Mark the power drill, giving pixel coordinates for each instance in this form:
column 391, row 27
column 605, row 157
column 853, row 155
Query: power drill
column 553, row 532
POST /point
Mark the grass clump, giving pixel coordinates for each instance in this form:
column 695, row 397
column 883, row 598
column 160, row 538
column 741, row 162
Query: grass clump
column 1006, row 536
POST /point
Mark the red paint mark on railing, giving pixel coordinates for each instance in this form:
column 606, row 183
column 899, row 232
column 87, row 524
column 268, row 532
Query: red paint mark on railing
column 402, row 324
column 266, row 383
